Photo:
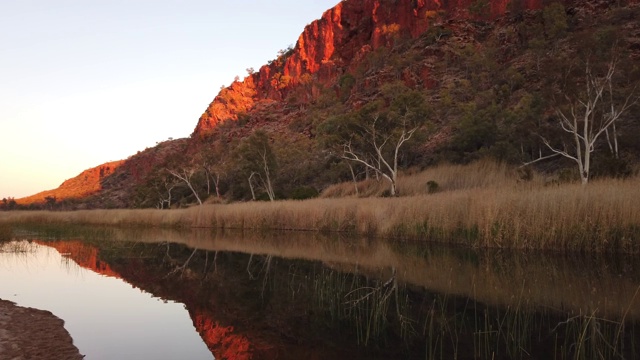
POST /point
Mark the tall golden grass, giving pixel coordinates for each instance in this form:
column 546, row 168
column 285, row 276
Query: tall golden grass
column 448, row 177
column 480, row 205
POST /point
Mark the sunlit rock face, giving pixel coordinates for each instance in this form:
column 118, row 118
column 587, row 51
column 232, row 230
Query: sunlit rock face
column 335, row 43
column 87, row 183
column 228, row 104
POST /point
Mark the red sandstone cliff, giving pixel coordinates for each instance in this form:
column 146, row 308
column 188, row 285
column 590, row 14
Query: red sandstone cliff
column 277, row 96
column 112, row 183
column 87, row 183
column 335, row 43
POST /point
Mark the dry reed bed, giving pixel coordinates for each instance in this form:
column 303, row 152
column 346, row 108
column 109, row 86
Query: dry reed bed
column 603, row 216
column 482, row 174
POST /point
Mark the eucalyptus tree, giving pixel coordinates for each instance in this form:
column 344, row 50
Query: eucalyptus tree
column 212, row 158
column 259, row 162
column 375, row 135
column 598, row 96
column 185, row 174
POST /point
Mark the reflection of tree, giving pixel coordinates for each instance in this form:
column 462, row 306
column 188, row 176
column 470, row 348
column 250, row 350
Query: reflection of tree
column 224, row 303
column 177, row 267
column 374, row 307
column 382, row 291
column 260, row 306
column 206, row 264
column 265, row 269
column 370, row 305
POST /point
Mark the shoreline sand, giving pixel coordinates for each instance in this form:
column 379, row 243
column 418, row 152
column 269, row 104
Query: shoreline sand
column 32, row 334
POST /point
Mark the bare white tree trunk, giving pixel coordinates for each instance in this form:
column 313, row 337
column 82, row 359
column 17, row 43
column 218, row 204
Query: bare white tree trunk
column 263, row 183
column 355, row 181
column 164, row 192
column 212, row 176
column 216, row 184
column 584, row 123
column 168, row 186
column 267, row 181
column 253, row 193
column 387, row 168
column 186, row 177
column 207, row 174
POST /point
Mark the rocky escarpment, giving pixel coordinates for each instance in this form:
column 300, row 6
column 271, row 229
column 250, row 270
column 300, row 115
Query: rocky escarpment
column 337, row 42
column 492, row 58
column 112, row 184
column 87, row 183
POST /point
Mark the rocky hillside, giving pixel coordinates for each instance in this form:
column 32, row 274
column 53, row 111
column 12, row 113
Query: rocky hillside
column 88, row 183
column 469, row 78
column 338, row 43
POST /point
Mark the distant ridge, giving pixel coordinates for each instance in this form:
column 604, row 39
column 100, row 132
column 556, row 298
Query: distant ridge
column 87, row 183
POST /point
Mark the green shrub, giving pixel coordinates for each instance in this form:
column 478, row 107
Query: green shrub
column 555, row 21
column 432, row 187
column 304, row 192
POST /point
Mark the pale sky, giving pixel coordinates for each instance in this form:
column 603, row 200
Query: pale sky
column 84, row 82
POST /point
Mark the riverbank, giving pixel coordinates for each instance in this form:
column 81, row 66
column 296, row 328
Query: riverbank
column 474, row 206
column 32, row 334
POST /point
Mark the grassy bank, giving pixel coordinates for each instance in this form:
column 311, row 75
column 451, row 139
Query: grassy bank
column 444, row 178
column 499, row 211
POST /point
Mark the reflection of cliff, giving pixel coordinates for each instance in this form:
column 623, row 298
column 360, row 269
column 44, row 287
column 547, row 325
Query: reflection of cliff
column 85, row 256
column 261, row 306
column 225, row 305
column 577, row 284
column 221, row 340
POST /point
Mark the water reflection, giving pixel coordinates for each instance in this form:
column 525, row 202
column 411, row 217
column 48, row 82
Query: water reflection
column 304, row 295
column 107, row 318
column 579, row 284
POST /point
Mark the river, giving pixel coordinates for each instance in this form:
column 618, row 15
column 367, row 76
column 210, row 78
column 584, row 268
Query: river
column 201, row 294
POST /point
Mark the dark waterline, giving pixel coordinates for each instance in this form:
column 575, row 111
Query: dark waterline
column 305, row 296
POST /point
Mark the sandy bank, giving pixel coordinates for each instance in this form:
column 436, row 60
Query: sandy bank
column 32, row 334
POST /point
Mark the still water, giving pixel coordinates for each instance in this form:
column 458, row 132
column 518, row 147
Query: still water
column 107, row 317
column 163, row 294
